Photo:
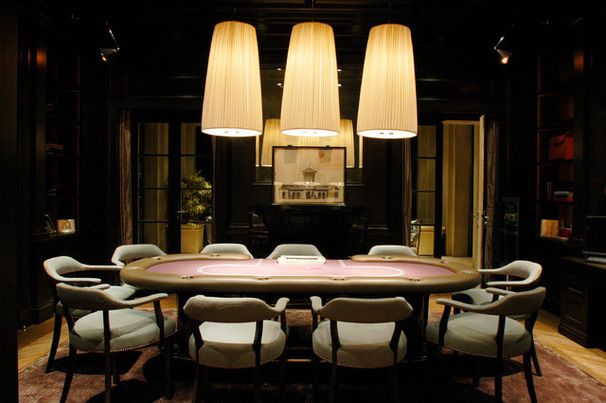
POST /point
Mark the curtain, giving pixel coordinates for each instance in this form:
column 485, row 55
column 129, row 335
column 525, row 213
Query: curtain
column 125, row 169
column 491, row 128
column 406, row 190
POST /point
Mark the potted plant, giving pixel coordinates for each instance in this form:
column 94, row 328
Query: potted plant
column 196, row 199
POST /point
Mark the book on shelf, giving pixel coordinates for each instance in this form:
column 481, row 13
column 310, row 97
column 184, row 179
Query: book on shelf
column 550, row 228
column 563, row 195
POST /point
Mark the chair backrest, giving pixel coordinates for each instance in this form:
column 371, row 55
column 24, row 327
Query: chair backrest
column 362, row 310
column 227, row 310
column 92, row 299
column 56, row 267
column 527, row 273
column 127, row 253
column 519, row 303
column 301, row 249
column 392, row 250
column 227, row 248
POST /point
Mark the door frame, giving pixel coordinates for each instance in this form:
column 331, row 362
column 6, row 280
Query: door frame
column 174, row 119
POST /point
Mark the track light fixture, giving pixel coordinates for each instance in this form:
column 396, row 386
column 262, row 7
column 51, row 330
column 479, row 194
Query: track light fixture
column 111, row 46
column 506, row 44
column 503, row 49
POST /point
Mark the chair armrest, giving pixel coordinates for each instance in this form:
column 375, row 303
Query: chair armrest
column 499, row 291
column 100, row 286
column 509, row 283
column 316, row 304
column 102, row 267
column 77, row 280
column 143, row 300
column 490, row 271
column 280, row 305
column 461, row 305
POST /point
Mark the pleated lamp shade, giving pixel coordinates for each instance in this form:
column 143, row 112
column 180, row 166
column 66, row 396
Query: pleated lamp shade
column 388, row 96
column 310, row 99
column 272, row 137
column 232, row 104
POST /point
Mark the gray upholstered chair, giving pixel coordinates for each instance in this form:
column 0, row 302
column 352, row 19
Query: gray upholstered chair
column 227, row 248
column 124, row 254
column 68, row 270
column 519, row 274
column 113, row 327
column 489, row 331
column 392, row 250
column 235, row 333
column 360, row 333
column 300, row 249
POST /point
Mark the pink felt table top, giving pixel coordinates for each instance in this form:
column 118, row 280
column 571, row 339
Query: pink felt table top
column 271, row 268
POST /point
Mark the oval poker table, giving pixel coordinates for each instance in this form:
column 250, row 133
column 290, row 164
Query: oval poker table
column 414, row 278
column 236, row 273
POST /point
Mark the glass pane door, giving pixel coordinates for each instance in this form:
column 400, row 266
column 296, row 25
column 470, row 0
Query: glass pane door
column 424, row 190
column 173, row 183
column 153, row 183
column 195, row 188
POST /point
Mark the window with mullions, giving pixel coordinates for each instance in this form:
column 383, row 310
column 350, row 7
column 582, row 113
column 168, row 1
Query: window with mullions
column 424, row 190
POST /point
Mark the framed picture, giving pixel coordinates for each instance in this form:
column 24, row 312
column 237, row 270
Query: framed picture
column 309, row 175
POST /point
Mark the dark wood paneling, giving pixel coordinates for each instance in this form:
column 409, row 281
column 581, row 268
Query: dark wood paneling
column 163, row 60
column 10, row 202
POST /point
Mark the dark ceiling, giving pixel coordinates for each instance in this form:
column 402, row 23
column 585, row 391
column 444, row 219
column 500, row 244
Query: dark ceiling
column 167, row 42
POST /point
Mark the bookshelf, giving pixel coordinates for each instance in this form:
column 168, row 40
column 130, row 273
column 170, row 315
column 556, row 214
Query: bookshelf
column 62, row 135
column 555, row 145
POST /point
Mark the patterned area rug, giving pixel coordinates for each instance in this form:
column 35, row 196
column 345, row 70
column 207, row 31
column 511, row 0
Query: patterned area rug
column 444, row 377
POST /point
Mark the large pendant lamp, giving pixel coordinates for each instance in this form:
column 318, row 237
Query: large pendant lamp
column 388, row 96
column 273, row 138
column 232, row 104
column 310, row 101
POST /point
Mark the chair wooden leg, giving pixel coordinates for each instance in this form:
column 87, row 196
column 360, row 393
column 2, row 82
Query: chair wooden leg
column 282, row 375
column 115, row 369
column 168, row 358
column 476, row 372
column 196, row 393
column 258, row 384
column 54, row 343
column 528, row 376
column 205, row 383
column 69, row 373
column 314, row 386
column 394, row 382
column 108, row 377
column 498, row 381
column 333, row 382
column 535, row 359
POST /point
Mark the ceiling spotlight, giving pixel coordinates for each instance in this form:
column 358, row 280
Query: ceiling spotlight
column 110, row 45
column 503, row 48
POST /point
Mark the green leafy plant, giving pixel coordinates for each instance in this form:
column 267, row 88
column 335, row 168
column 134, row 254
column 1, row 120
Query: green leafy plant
column 196, row 197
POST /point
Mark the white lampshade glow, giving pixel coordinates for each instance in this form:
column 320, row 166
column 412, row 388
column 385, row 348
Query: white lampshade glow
column 232, row 104
column 388, row 96
column 272, row 137
column 310, row 99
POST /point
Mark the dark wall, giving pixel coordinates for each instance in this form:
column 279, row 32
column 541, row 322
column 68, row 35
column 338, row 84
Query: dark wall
column 9, row 206
column 163, row 60
column 594, row 147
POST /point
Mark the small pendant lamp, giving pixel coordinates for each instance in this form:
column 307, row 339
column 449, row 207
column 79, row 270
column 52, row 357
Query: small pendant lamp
column 388, row 96
column 232, row 104
column 310, row 101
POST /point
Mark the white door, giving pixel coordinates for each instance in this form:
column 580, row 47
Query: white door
column 477, row 258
